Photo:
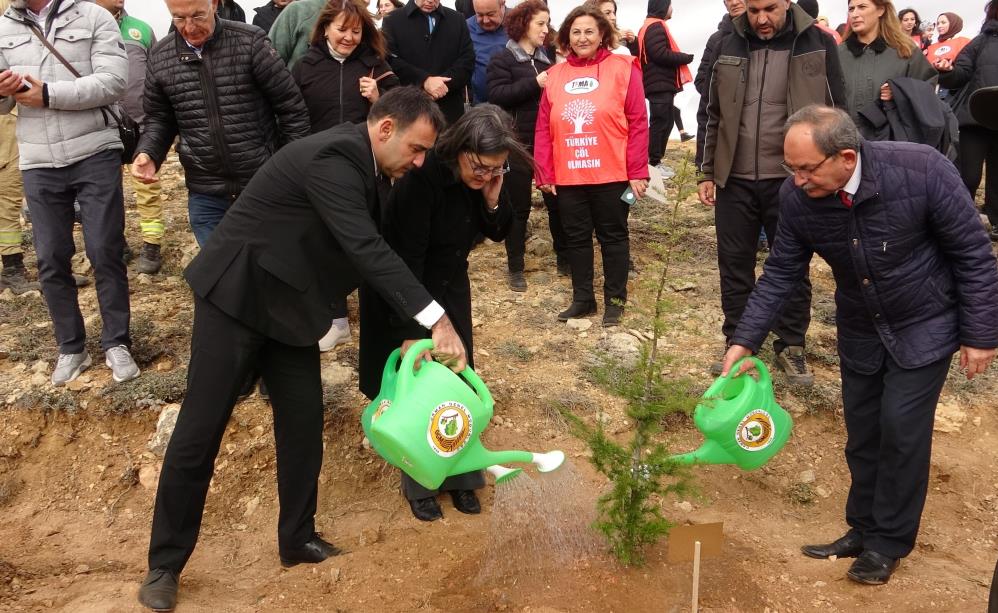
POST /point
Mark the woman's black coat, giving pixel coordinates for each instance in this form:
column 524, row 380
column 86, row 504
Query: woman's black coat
column 332, row 90
column 512, row 83
column 431, row 221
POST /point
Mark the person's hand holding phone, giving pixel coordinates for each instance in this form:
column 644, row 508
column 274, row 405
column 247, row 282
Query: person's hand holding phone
column 10, row 83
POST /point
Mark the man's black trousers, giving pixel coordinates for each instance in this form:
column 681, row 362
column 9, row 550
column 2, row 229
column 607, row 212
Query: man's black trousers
column 223, row 353
column 741, row 207
column 889, row 417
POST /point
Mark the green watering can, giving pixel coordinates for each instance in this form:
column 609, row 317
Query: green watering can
column 741, row 421
column 428, row 422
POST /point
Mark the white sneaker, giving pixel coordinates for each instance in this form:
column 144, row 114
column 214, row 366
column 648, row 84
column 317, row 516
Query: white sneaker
column 338, row 334
column 69, row 366
column 123, row 367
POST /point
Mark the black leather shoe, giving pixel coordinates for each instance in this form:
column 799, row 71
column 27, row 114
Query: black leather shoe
column 849, row 546
column 578, row 309
column 872, row 568
column 612, row 316
column 159, row 590
column 466, row 501
column 426, row 509
column 312, row 552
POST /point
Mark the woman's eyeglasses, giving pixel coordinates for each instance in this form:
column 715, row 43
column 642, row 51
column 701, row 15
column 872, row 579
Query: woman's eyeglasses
column 486, row 172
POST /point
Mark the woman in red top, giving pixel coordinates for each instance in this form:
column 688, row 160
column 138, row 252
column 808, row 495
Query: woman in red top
column 591, row 147
column 948, row 25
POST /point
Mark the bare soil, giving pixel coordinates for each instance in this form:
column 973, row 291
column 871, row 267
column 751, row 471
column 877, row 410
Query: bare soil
column 77, row 480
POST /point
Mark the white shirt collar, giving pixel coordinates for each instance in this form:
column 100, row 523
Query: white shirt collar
column 852, row 186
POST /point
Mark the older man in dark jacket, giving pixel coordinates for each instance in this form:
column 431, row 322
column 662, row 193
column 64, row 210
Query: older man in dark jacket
column 221, row 86
column 429, row 46
column 916, row 281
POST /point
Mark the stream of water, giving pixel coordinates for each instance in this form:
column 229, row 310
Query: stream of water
column 539, row 522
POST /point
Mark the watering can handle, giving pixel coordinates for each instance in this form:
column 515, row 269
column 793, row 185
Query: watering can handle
column 391, row 369
column 764, row 379
column 407, row 371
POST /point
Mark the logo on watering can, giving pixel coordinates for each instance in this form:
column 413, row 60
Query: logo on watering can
column 450, row 428
column 382, row 407
column 756, row 431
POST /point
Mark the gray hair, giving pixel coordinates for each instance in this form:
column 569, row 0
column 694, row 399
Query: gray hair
column 832, row 129
column 485, row 129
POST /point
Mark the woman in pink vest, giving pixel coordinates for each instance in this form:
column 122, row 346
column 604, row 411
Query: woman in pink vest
column 591, row 147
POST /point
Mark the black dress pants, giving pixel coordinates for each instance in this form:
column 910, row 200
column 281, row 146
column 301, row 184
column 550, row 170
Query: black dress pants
column 585, row 208
column 889, row 417
column 979, row 147
column 223, row 353
column 741, row 207
column 518, row 183
column 661, row 119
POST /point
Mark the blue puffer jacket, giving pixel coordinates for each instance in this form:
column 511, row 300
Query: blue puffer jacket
column 914, row 272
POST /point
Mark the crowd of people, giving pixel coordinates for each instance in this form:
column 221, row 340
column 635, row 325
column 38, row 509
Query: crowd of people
column 336, row 145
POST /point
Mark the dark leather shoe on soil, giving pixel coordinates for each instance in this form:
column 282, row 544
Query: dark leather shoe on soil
column 517, row 282
column 578, row 309
column 849, row 546
column 312, row 552
column 872, row 568
column 612, row 315
column 466, row 501
column 159, row 590
column 426, row 509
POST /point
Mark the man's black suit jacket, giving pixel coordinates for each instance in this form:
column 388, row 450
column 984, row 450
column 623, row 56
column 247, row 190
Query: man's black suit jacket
column 301, row 236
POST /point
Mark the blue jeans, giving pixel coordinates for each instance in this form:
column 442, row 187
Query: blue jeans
column 205, row 213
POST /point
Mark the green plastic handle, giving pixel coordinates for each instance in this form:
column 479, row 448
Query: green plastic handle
column 478, row 385
column 407, row 372
column 391, row 369
column 408, row 368
column 764, row 379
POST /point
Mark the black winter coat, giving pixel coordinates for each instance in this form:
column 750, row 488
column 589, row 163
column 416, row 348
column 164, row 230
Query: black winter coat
column 662, row 63
column 974, row 68
column 512, row 81
column 230, row 11
column 431, row 221
column 702, row 80
column 233, row 107
column 914, row 272
column 915, row 115
column 265, row 16
column 331, row 89
column 415, row 54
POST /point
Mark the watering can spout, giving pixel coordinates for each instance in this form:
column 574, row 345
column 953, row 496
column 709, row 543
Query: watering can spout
column 708, row 453
column 481, row 458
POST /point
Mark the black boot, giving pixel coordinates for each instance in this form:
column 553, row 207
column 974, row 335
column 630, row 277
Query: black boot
column 577, row 310
column 159, row 590
column 15, row 276
column 150, row 261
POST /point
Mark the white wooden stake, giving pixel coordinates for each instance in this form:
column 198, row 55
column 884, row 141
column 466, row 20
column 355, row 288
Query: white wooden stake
column 696, row 575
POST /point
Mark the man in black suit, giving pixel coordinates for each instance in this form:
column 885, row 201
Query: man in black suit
column 301, row 235
column 429, row 46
